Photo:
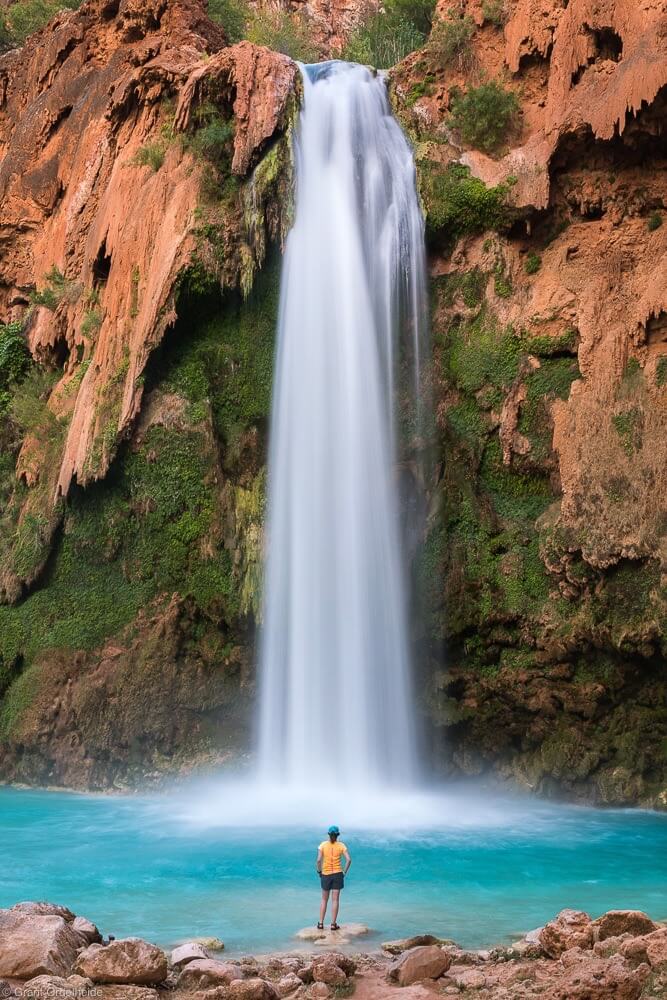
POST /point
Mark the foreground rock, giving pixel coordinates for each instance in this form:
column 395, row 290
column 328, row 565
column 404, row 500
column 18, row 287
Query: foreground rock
column 36, row 939
column 618, row 922
column 130, row 960
column 192, row 951
column 570, row 929
column 417, row 964
column 202, row 974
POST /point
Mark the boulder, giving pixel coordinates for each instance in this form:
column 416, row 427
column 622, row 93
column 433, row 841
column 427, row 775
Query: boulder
column 86, row 930
column 617, row 922
column 288, row 984
column 318, row 991
column 593, row 978
column 128, row 960
column 252, row 989
column 185, row 953
column 48, row 987
column 34, row 943
column 44, row 910
column 570, row 929
column 404, row 944
column 344, row 962
column 650, row 948
column 325, row 970
column 422, row 962
column 203, row 973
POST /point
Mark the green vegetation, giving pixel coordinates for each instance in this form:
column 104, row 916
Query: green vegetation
column 55, row 290
column 456, row 203
column 533, row 262
column 15, row 361
column 484, row 115
column 629, row 426
column 91, row 322
column 151, row 154
column 153, row 527
column 501, row 282
column 232, row 15
column 283, row 31
column 387, row 37
column 654, row 222
column 22, row 19
column 661, row 371
column 494, row 11
column 449, row 42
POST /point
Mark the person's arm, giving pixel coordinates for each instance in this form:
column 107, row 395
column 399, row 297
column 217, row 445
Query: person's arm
column 318, row 863
column 348, row 861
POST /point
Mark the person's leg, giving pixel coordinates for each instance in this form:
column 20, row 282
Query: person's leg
column 324, row 904
column 334, row 906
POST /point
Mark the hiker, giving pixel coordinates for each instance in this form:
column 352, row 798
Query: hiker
column 332, row 876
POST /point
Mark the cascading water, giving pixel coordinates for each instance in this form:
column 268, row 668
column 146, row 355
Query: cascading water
column 336, row 706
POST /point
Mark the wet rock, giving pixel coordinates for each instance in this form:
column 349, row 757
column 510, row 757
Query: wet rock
column 208, row 943
column 252, row 989
column 570, row 929
column 422, row 962
column 129, row 960
column 36, row 942
column 617, row 922
column 201, row 974
column 87, row 930
column 404, row 944
column 185, row 953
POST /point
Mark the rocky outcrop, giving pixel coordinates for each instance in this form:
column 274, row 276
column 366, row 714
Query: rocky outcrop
column 549, row 382
column 87, row 130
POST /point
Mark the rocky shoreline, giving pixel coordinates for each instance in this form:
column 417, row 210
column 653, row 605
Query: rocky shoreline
column 48, row 952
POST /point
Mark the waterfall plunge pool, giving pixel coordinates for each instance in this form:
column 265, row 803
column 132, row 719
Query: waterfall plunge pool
column 478, row 869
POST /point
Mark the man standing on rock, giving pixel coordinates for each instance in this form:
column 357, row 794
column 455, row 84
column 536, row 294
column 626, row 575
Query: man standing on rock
column 332, row 876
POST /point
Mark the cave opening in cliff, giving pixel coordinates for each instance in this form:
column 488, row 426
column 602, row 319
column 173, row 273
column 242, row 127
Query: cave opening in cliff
column 605, row 45
column 101, row 266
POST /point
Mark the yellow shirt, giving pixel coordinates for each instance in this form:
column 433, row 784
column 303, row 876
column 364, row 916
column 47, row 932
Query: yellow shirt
column 331, row 855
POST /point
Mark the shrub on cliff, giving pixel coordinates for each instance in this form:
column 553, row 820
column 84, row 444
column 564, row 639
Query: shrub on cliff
column 450, row 39
column 484, row 115
column 282, row 31
column 22, row 19
column 387, row 37
column 457, row 203
column 15, row 360
column 232, row 15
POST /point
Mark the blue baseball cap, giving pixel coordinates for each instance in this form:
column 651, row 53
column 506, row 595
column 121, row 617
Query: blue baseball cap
column 334, row 829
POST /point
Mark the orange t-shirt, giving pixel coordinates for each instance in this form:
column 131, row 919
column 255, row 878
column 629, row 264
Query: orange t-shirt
column 331, row 855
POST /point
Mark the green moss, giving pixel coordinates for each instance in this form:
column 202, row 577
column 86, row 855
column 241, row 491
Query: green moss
column 547, row 347
column 502, row 283
column 456, row 203
column 533, row 262
column 654, row 222
column 482, row 354
column 56, row 287
column 515, row 495
column 230, row 362
column 469, row 285
column 629, row 426
column 661, row 371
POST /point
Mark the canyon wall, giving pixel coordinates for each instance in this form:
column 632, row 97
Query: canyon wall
column 146, row 183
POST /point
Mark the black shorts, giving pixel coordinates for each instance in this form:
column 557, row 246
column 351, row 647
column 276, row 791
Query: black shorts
column 336, row 881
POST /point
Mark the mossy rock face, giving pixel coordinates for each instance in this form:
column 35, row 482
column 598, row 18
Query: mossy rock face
column 176, row 524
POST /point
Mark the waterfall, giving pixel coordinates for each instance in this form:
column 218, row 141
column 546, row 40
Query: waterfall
column 336, row 706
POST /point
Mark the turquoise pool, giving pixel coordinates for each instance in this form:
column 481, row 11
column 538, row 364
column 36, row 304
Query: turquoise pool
column 145, row 866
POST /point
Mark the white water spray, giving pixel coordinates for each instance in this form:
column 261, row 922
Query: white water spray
column 336, row 701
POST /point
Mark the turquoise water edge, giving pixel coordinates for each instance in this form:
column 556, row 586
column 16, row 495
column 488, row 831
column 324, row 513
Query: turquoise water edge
column 136, row 867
